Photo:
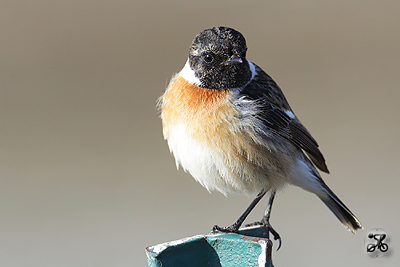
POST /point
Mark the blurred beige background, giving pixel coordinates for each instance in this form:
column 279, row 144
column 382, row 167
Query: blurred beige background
column 86, row 178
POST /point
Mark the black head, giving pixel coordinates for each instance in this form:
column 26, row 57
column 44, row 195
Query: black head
column 218, row 58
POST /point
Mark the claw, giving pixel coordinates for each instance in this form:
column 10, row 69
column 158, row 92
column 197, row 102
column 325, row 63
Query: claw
column 280, row 243
column 276, row 236
column 270, row 230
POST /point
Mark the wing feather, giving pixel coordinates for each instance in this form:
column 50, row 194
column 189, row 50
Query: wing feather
column 276, row 114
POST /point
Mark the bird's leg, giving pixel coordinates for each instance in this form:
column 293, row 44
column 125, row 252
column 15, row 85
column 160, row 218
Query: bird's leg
column 265, row 219
column 267, row 215
column 235, row 227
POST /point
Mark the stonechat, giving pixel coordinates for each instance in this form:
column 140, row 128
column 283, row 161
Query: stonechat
column 229, row 125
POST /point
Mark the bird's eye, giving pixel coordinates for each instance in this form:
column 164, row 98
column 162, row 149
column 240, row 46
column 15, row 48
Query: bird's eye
column 208, row 58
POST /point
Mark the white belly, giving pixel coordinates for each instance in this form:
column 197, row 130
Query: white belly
column 213, row 168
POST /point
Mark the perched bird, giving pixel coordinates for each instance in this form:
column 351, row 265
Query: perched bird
column 229, row 125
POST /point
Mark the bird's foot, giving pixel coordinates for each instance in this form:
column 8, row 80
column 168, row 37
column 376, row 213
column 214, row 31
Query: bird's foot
column 271, row 230
column 228, row 229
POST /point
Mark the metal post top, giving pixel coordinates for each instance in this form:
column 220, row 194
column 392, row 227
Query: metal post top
column 251, row 247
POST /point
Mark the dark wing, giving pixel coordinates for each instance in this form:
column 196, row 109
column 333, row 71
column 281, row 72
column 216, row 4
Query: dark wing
column 275, row 114
column 279, row 122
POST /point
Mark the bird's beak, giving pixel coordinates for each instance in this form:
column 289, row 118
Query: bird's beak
column 233, row 60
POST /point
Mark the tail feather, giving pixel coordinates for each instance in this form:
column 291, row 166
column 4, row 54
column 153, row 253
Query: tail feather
column 345, row 216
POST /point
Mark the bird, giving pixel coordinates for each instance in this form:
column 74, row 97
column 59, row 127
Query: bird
column 228, row 124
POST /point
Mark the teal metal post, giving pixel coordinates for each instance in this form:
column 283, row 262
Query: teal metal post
column 249, row 248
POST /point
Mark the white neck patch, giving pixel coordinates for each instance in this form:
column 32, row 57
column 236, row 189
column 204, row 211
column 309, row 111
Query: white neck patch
column 188, row 74
column 253, row 70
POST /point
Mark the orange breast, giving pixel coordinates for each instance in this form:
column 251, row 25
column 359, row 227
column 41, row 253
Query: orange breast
column 207, row 114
